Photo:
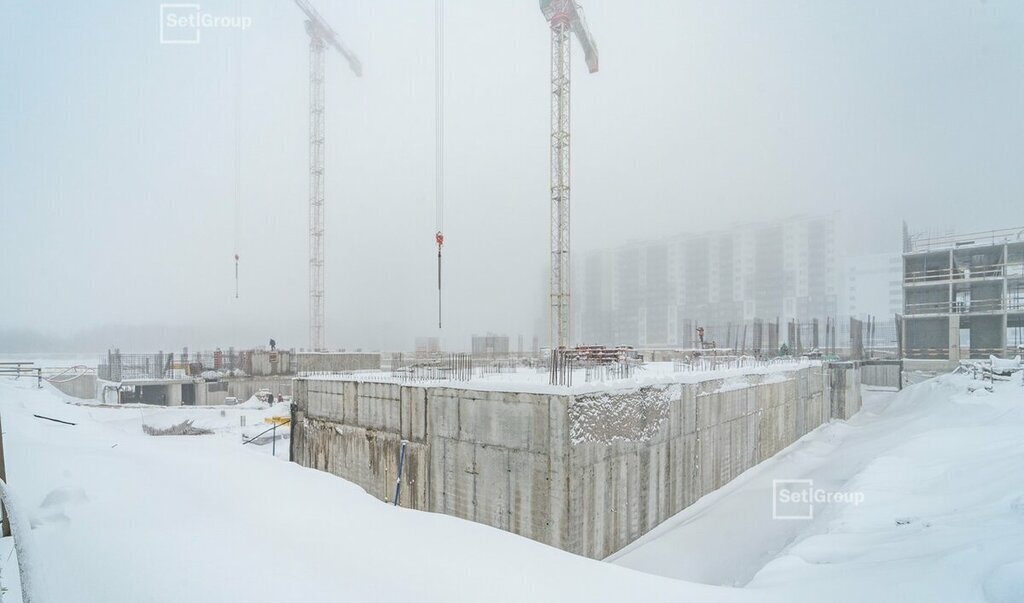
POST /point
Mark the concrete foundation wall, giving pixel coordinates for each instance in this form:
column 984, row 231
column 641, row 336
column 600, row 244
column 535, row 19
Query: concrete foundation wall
column 266, row 363
column 243, row 389
column 586, row 473
column 669, row 446
column 844, row 380
column 335, row 362
column 82, row 386
column 882, row 373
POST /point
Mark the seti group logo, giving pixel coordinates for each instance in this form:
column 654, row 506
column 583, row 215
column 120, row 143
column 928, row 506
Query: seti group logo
column 795, row 498
column 182, row 23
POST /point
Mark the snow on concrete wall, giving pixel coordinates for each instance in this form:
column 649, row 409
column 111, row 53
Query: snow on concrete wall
column 588, row 473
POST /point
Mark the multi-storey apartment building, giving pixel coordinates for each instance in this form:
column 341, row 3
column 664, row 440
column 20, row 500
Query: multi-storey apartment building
column 653, row 293
column 874, row 286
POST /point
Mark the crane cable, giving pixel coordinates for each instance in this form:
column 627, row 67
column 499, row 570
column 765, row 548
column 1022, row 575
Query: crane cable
column 439, row 139
column 236, row 102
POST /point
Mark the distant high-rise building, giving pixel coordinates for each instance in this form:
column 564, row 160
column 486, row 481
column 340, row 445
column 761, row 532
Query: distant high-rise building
column 490, row 345
column 428, row 345
column 874, row 285
column 655, row 293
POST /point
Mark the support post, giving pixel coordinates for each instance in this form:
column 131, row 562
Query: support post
column 398, row 479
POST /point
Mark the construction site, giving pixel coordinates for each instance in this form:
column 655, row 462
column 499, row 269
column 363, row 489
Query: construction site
column 673, row 376
column 586, row 445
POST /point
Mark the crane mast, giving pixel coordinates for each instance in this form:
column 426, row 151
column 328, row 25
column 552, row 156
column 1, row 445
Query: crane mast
column 316, row 188
column 320, row 35
column 563, row 16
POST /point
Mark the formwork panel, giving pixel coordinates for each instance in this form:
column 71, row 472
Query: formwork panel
column 620, row 506
column 460, row 479
column 706, row 446
column 558, row 467
column 493, row 486
column 636, row 498
column 691, row 471
column 689, row 408
column 530, row 492
column 416, row 398
column 442, row 414
column 376, row 409
column 723, row 454
column 597, row 506
column 501, row 424
column 678, row 470
column 350, row 408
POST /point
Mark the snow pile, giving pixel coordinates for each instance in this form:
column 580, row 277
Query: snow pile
column 184, row 428
column 1004, row 366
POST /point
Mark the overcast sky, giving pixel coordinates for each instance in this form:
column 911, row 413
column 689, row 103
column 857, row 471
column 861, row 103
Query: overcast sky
column 117, row 153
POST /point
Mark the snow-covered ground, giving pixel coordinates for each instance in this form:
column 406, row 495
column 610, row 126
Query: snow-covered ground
column 121, row 516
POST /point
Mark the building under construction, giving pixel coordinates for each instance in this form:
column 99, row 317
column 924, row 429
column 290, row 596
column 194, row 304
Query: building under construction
column 963, row 295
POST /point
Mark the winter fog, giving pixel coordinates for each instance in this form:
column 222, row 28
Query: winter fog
column 132, row 171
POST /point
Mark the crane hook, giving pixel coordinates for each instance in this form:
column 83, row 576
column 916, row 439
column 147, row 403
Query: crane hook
column 439, row 239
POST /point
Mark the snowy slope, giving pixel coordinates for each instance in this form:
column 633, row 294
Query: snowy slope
column 129, row 518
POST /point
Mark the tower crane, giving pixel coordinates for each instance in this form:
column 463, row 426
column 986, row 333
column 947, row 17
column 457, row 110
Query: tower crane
column 320, row 35
column 562, row 16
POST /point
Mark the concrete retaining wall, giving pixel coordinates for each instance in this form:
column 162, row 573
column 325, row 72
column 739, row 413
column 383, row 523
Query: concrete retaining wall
column 244, row 388
column 672, row 445
column 844, row 388
column 264, row 363
column 82, row 386
column 586, row 473
column 882, row 373
column 335, row 362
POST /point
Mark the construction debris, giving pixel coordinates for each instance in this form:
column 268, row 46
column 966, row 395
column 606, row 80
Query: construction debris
column 184, row 428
